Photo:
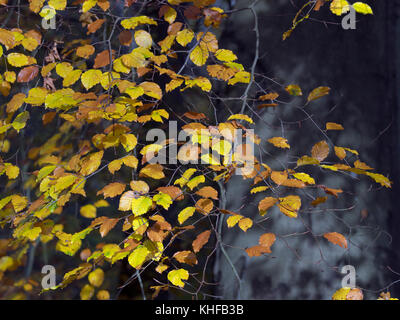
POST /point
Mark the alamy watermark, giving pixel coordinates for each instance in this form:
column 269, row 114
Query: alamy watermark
column 49, row 18
column 349, row 20
column 349, row 280
column 49, row 278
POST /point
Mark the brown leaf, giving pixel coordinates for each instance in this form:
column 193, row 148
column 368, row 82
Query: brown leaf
column 204, row 206
column 336, row 238
column 201, row 240
column 187, row 257
column 85, row 253
column 174, row 28
column 257, row 251
column 320, row 150
column 94, row 26
column 267, row 240
column 174, row 192
column 340, row 152
column 318, row 201
column 106, row 226
column 333, row 192
column 103, row 59
column 266, row 203
column 208, row 192
column 319, row 4
column 279, row 177
column 27, row 74
column 194, row 115
column 125, row 38
column 156, row 233
column 269, row 96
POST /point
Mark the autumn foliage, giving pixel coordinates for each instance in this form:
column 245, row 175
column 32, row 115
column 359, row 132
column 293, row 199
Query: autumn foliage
column 76, row 168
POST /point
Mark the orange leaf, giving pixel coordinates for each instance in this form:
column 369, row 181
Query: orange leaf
column 112, row 190
column 336, row 238
column 201, row 240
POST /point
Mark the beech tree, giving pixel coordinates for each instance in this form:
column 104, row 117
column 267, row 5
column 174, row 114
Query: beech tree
column 106, row 160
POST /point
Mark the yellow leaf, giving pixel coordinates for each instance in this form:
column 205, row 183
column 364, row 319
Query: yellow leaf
column 138, row 257
column 290, row 205
column 154, row 171
column 141, row 205
column 18, row 59
column 91, row 163
column 241, row 76
column 185, row 177
column 103, row 295
column 48, row 13
column 381, row 179
column 12, row 172
column 128, row 141
column 58, row 4
column 193, row 183
column 88, row 4
column 140, row 186
column 258, row 189
column 186, row 214
column 176, row 277
column 36, row 96
column 20, row 121
column 233, row 220
column 294, row 90
column 133, row 22
column 334, row 126
column 306, row 160
column 5, row 263
column 64, row 182
column 151, row 89
column 163, row 200
column 241, row 117
column 96, row 277
column 112, row 190
column 143, row 39
column 362, row 8
column 279, row 142
column 341, row 294
column 184, row 37
column 245, row 224
column 130, row 161
column 199, row 55
column 72, row 77
column 318, row 93
column 223, row 147
column 89, row 211
column 225, row 55
column 87, row 292
column 339, row 7
column 170, row 15
column 91, row 78
column 19, row 203
column 304, row 177
column 63, row 69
